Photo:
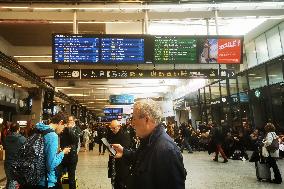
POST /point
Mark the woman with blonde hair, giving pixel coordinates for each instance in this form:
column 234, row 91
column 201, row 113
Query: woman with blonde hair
column 272, row 155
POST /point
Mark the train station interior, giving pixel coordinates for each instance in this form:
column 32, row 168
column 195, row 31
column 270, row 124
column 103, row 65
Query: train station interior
column 205, row 62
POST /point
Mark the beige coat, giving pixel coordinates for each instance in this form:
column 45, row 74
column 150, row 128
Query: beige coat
column 268, row 140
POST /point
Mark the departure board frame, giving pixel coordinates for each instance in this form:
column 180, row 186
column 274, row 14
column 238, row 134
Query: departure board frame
column 209, row 49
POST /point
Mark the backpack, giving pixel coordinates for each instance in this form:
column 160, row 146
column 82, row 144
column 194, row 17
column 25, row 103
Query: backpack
column 30, row 167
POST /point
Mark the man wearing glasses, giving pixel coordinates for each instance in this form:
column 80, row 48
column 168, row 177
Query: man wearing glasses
column 157, row 163
column 118, row 169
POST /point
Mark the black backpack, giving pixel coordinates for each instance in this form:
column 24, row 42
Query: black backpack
column 30, row 167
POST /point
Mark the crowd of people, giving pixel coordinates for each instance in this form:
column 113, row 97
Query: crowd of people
column 148, row 151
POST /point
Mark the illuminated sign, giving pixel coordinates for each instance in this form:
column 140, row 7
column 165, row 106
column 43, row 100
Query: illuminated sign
column 145, row 49
column 174, row 49
column 136, row 74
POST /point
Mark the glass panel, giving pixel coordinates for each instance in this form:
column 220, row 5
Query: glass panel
column 233, row 86
column 281, row 29
column 223, row 88
column 257, row 78
column 207, row 94
column 242, row 82
column 215, row 93
column 261, row 49
column 273, row 43
column 251, row 54
column 201, row 95
column 275, row 73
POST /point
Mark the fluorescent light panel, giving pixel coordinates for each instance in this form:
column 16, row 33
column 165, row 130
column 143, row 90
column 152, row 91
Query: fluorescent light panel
column 32, row 56
column 34, row 60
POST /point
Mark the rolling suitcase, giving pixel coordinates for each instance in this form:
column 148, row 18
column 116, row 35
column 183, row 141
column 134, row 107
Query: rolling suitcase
column 262, row 171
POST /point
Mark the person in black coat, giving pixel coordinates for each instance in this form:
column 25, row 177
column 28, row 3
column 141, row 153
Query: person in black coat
column 12, row 143
column 121, row 169
column 158, row 162
column 217, row 134
column 70, row 138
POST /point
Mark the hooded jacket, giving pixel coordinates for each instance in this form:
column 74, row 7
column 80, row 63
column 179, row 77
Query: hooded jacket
column 53, row 159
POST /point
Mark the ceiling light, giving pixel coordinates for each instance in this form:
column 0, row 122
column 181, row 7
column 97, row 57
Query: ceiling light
column 101, row 88
column 102, row 99
column 78, row 95
column 252, row 74
column 34, row 60
column 115, row 86
column 14, row 7
column 32, row 56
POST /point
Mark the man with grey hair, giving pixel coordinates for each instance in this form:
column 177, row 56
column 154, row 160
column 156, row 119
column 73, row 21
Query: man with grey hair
column 157, row 163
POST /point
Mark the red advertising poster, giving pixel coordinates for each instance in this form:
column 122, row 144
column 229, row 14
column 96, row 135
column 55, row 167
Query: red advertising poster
column 229, row 51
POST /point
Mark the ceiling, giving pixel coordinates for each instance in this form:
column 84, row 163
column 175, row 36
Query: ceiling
column 27, row 27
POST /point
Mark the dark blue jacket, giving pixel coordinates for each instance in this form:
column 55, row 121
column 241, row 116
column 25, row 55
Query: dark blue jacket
column 157, row 163
column 12, row 143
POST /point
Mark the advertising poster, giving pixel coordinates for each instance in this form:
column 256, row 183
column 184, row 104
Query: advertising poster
column 229, row 51
column 209, row 52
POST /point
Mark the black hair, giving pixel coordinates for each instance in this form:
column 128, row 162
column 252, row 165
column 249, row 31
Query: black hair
column 58, row 117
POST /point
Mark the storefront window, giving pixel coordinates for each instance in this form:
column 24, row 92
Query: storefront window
column 275, row 73
column 257, row 77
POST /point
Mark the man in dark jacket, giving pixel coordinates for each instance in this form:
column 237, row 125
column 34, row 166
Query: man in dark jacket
column 157, row 163
column 185, row 133
column 12, row 143
column 70, row 138
column 121, row 169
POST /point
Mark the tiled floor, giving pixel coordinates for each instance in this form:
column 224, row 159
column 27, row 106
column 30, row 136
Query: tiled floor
column 203, row 173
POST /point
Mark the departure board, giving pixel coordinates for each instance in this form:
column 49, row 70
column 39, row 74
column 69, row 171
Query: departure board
column 174, row 49
column 126, row 50
column 75, row 49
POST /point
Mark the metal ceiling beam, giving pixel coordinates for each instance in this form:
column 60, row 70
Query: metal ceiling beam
column 103, row 16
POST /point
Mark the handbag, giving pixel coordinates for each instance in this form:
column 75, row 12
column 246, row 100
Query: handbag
column 273, row 146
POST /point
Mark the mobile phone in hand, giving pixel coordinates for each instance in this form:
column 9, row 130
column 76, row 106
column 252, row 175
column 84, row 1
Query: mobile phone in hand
column 109, row 147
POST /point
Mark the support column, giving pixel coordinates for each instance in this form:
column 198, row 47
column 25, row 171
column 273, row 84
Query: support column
column 145, row 23
column 37, row 106
column 75, row 22
column 68, row 109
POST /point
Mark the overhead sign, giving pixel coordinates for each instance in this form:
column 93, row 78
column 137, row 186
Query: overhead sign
column 220, row 50
column 175, row 49
column 145, row 49
column 121, row 99
column 136, row 74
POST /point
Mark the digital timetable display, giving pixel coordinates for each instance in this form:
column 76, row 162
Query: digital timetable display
column 116, row 50
column 75, row 49
column 173, row 49
column 146, row 49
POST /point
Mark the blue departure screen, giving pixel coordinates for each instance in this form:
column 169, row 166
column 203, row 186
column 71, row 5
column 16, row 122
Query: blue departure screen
column 117, row 50
column 75, row 49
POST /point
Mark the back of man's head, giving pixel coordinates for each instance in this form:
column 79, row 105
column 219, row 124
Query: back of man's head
column 150, row 108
